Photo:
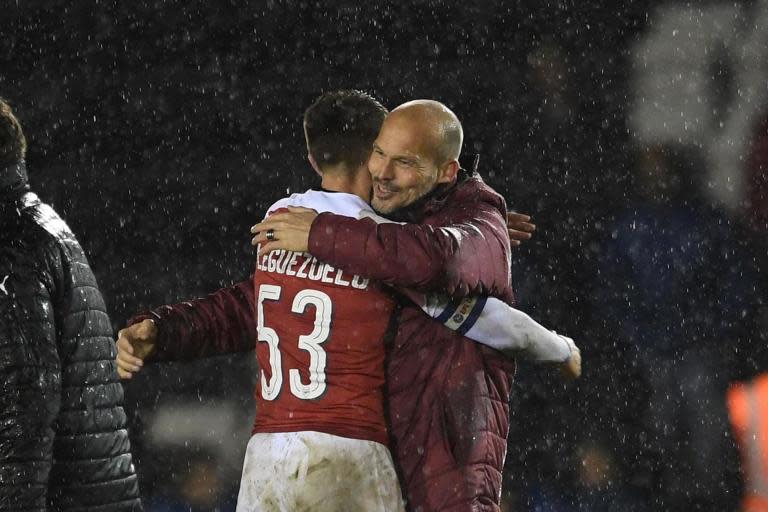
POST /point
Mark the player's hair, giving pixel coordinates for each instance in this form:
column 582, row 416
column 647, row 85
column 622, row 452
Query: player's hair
column 341, row 127
column 13, row 144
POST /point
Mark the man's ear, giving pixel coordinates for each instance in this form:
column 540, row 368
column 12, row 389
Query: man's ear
column 314, row 164
column 449, row 172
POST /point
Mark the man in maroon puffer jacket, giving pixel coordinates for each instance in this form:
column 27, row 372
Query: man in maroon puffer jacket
column 448, row 397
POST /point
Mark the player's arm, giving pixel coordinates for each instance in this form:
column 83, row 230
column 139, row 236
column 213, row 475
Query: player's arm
column 467, row 256
column 221, row 323
column 495, row 324
column 224, row 322
column 30, row 379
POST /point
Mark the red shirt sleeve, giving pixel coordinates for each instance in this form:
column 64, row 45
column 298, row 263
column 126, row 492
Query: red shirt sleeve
column 221, row 323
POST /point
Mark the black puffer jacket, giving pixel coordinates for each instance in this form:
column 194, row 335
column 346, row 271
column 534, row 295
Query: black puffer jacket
column 63, row 442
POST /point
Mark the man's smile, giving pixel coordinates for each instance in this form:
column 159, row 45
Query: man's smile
column 383, row 192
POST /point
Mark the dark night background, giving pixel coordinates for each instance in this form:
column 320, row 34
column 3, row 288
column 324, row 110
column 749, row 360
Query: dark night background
column 162, row 130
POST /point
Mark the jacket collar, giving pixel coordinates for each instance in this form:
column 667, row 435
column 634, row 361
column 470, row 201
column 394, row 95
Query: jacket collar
column 13, row 178
column 429, row 203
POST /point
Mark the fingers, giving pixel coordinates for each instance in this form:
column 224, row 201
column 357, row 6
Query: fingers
column 572, row 367
column 124, row 369
column 260, row 237
column 266, row 245
column 279, row 220
column 517, row 217
column 285, row 219
column 286, row 241
column 123, row 345
column 520, row 222
column 261, row 227
column 523, row 227
column 519, row 228
column 127, row 363
column 301, row 209
column 577, row 363
column 516, row 237
column 288, row 231
column 522, row 232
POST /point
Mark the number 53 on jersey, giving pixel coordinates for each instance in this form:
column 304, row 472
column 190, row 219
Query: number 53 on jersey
column 311, row 342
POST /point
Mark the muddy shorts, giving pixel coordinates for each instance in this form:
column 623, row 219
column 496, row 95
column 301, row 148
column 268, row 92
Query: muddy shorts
column 317, row 472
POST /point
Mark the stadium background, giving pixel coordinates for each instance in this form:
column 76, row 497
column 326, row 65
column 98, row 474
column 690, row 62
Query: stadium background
column 162, row 130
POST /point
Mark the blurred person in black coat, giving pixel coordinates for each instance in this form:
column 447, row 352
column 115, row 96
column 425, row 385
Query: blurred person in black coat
column 675, row 285
column 63, row 441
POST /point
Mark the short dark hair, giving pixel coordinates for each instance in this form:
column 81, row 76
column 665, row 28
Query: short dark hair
column 13, row 144
column 341, row 127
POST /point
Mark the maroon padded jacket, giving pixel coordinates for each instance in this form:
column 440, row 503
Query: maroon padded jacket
column 448, row 396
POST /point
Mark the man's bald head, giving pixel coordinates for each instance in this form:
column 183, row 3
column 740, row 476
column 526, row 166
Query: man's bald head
column 416, row 150
column 439, row 123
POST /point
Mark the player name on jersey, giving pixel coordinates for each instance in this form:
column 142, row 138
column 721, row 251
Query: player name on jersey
column 304, row 265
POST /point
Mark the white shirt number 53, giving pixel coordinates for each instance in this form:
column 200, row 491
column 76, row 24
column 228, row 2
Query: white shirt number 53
column 270, row 389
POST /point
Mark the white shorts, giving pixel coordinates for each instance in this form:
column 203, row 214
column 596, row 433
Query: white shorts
column 317, row 472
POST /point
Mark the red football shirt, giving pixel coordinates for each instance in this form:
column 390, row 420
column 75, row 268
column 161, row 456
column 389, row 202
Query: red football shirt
column 321, row 340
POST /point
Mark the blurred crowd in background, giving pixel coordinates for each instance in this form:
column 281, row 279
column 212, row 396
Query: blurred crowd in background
column 635, row 134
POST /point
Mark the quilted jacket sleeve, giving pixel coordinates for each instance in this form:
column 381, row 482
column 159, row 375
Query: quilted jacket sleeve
column 223, row 322
column 30, row 382
column 463, row 251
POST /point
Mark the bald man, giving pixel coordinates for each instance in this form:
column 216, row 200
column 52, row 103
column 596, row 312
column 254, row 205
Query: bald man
column 417, row 148
column 448, row 397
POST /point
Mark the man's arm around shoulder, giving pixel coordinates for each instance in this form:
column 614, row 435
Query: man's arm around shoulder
column 468, row 253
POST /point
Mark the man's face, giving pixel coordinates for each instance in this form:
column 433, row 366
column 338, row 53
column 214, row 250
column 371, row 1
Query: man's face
column 402, row 164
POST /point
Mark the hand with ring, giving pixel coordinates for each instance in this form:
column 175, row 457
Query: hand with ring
column 293, row 225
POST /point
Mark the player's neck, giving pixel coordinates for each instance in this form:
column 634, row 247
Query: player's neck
column 340, row 180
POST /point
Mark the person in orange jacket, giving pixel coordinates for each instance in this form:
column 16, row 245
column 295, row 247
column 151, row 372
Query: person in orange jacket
column 748, row 410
